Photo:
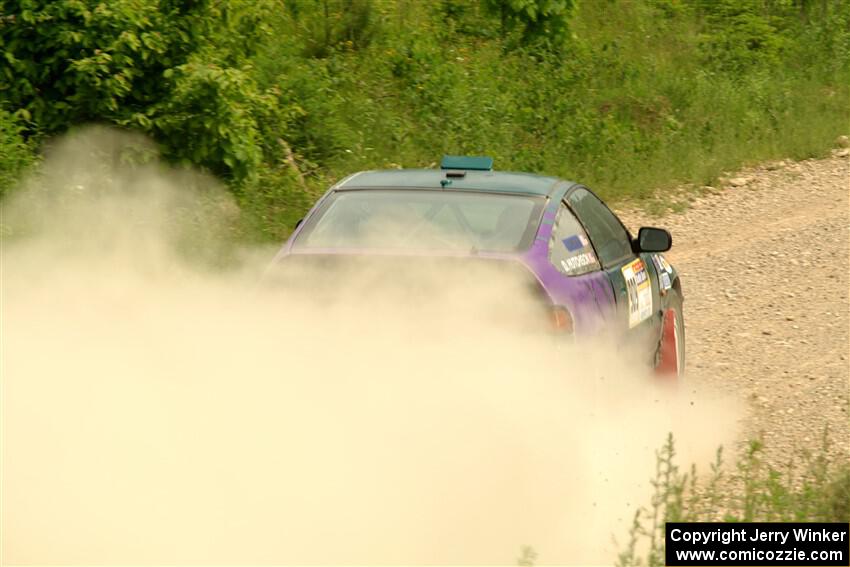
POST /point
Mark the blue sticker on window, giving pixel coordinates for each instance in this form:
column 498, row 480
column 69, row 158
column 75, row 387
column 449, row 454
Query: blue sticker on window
column 573, row 243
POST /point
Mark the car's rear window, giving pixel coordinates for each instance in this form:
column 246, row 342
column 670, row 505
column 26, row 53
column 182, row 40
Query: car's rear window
column 413, row 219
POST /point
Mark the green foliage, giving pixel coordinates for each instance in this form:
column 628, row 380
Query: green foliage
column 811, row 488
column 177, row 70
column 281, row 99
column 330, row 25
column 16, row 154
column 534, row 19
column 633, row 99
column 738, row 35
column 73, row 60
column 214, row 117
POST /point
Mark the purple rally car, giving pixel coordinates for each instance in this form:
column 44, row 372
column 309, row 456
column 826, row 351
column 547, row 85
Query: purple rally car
column 591, row 273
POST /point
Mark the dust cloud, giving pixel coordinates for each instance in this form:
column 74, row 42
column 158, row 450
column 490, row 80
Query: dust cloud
column 162, row 406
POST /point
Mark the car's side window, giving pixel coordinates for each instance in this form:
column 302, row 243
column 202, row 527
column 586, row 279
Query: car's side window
column 609, row 238
column 570, row 250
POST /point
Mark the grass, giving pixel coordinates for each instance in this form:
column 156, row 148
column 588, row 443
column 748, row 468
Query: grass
column 631, row 105
column 809, row 488
column 641, row 96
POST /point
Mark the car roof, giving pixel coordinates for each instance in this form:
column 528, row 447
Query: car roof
column 454, row 180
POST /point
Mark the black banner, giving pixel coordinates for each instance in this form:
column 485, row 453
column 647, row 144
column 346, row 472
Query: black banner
column 763, row 543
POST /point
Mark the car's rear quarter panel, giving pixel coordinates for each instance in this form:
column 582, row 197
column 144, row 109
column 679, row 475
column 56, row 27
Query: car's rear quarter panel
column 588, row 297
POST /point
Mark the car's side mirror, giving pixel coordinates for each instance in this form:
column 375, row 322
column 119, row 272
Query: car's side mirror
column 651, row 239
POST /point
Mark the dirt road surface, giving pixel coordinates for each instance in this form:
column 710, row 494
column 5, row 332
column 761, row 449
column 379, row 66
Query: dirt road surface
column 764, row 265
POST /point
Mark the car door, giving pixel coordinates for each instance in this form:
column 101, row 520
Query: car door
column 633, row 284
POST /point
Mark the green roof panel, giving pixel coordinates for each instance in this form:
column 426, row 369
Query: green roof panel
column 480, row 163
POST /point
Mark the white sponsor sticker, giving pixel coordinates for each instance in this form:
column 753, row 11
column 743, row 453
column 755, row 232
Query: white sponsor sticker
column 663, row 269
column 661, row 263
column 639, row 292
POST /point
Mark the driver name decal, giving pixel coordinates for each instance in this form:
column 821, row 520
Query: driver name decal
column 578, row 261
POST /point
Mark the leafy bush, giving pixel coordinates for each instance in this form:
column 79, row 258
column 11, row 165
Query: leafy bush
column 16, row 154
column 71, row 61
column 535, row 20
column 177, row 70
column 214, row 118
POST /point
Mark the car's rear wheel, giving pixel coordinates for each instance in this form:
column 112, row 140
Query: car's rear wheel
column 670, row 360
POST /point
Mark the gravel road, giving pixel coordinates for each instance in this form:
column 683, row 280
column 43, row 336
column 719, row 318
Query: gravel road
column 764, row 263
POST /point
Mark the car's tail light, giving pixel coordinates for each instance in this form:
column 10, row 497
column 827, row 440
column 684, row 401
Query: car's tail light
column 562, row 321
